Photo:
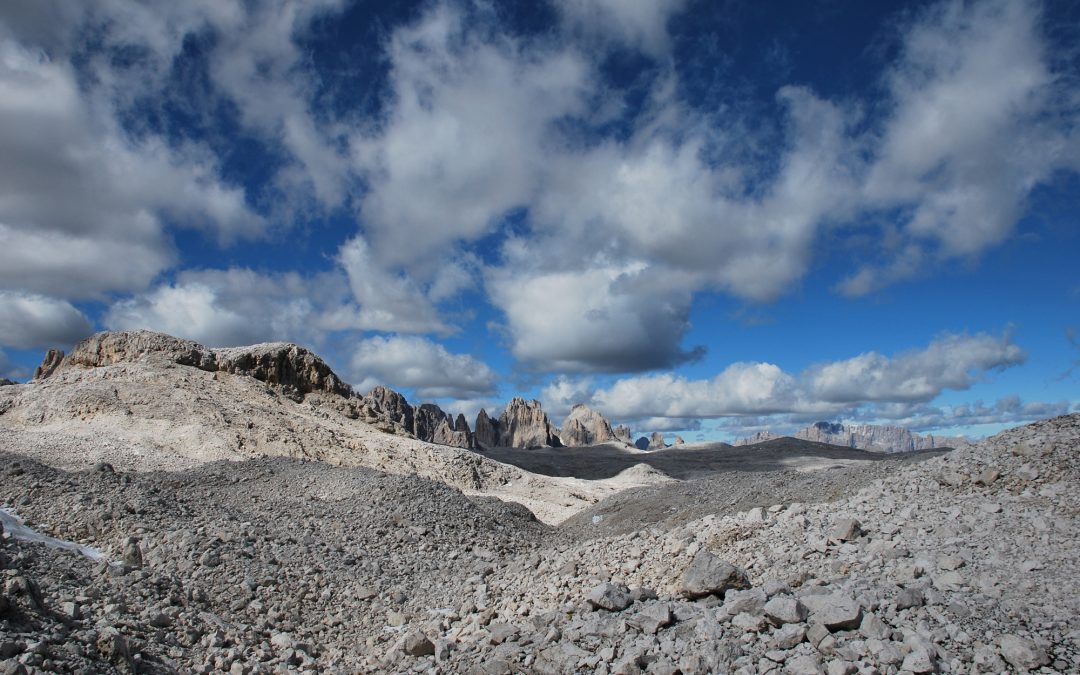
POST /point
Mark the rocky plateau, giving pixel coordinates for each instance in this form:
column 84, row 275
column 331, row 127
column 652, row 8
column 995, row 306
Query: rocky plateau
column 170, row 508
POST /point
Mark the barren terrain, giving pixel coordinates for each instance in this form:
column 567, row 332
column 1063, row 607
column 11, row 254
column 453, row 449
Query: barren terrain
column 249, row 527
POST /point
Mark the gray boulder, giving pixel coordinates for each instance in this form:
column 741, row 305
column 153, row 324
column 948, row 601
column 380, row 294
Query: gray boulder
column 708, row 575
column 1021, row 653
column 612, row 597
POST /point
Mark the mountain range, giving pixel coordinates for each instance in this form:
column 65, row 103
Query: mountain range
column 872, row 437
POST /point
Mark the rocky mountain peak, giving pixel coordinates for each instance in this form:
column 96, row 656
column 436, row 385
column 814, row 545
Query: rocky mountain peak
column 53, row 359
column 523, row 424
column 427, row 421
column 112, row 347
column 585, row 426
column 872, row 437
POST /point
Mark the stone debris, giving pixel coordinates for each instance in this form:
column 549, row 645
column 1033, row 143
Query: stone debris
column 279, row 564
column 708, row 575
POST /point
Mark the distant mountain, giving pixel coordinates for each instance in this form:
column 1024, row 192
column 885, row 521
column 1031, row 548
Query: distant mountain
column 872, row 437
column 585, row 426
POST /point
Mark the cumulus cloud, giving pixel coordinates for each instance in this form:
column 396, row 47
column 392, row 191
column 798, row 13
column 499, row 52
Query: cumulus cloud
column 975, row 126
column 389, row 301
column 422, row 365
column 603, row 319
column 234, row 307
column 29, row 321
column 636, row 25
column 463, row 142
column 952, row 362
column 77, row 192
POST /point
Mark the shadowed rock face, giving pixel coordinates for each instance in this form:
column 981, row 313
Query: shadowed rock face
column 656, row 441
column 623, row 433
column 394, row 406
column 585, row 426
column 282, row 363
column 487, row 430
column 4, row 382
column 52, row 361
column 427, row 422
column 525, row 425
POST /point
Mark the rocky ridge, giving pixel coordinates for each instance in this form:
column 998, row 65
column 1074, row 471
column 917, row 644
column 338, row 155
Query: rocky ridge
column 932, row 568
column 873, row 437
column 426, row 422
column 522, row 424
column 143, row 400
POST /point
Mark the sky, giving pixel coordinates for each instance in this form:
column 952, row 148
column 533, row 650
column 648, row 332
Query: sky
column 699, row 217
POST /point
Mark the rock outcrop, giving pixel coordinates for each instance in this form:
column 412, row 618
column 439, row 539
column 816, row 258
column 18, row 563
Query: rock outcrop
column 108, row 348
column 759, row 437
column 292, row 367
column 393, row 405
column 872, row 437
column 585, row 426
column 487, row 430
column 426, row 422
column 53, row 359
column 679, row 440
column 4, row 382
column 656, row 441
column 523, row 424
column 285, row 364
column 623, row 433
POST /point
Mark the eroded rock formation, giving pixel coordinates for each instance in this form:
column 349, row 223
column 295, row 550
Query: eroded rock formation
column 487, row 430
column 585, row 426
column 524, row 424
column 53, row 359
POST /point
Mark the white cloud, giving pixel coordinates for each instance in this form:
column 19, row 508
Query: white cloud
column 952, row 362
column 563, row 393
column 973, row 129
column 388, row 301
column 464, row 140
column 602, row 319
column 420, row 364
column 1009, row 410
column 233, row 307
column 76, row 189
column 29, row 321
column 641, row 24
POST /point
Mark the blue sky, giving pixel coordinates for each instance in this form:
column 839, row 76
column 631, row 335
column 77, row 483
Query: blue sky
column 699, row 217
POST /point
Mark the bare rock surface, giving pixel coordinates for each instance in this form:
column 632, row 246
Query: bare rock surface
column 524, row 424
column 585, row 426
column 141, row 401
column 963, row 562
column 53, row 359
column 874, row 437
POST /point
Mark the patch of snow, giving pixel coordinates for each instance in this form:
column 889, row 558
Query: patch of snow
column 14, row 526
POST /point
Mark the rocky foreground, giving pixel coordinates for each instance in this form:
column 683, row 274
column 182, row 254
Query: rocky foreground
column 963, row 563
